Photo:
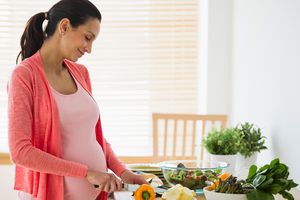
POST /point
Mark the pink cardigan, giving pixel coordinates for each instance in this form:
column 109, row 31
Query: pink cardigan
column 34, row 132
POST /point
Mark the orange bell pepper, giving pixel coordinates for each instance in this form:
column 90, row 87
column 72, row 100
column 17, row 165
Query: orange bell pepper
column 222, row 176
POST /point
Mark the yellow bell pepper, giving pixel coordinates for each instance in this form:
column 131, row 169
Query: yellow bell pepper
column 144, row 192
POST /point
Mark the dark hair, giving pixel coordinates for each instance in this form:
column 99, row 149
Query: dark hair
column 77, row 11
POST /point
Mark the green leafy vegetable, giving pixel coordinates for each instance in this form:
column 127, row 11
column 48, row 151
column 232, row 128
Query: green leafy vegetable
column 259, row 195
column 270, row 180
column 258, row 180
column 262, row 183
column 252, row 171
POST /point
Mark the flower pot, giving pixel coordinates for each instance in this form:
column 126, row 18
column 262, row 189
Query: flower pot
column 230, row 159
column 243, row 164
column 212, row 195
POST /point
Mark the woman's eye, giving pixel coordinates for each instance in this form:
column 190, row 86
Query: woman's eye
column 87, row 38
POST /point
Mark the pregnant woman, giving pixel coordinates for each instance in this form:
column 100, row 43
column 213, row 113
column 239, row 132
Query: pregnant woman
column 55, row 135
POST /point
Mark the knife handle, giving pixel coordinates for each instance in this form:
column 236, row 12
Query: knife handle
column 97, row 186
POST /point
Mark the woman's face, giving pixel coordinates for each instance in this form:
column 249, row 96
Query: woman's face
column 77, row 41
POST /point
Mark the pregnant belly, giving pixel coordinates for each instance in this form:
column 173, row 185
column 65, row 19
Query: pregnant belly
column 91, row 155
column 78, row 189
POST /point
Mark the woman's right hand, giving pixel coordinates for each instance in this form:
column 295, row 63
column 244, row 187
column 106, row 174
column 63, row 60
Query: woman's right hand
column 105, row 181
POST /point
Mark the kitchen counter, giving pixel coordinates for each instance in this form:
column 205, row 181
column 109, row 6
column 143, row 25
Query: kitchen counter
column 125, row 195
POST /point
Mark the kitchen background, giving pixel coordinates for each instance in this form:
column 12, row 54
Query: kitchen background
column 247, row 67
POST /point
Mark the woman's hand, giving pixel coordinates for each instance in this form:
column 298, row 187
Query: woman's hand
column 105, row 181
column 132, row 178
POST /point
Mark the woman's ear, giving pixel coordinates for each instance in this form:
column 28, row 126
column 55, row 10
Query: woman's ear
column 64, row 26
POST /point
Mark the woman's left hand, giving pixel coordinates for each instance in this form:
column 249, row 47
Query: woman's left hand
column 129, row 177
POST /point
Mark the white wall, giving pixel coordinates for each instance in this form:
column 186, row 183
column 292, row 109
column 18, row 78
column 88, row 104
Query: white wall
column 219, row 56
column 250, row 61
column 215, row 27
column 265, row 74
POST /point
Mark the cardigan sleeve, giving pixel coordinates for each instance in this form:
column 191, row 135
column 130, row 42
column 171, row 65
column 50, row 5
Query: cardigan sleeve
column 112, row 161
column 20, row 114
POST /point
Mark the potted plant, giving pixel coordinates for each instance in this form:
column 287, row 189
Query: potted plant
column 223, row 145
column 261, row 184
column 251, row 143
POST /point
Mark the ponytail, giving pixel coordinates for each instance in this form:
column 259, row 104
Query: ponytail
column 77, row 11
column 33, row 36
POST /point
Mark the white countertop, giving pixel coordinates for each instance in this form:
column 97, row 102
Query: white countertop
column 125, row 195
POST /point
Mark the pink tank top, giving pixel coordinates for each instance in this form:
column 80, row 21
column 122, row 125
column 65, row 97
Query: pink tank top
column 78, row 114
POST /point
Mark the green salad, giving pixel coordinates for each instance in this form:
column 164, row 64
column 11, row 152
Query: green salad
column 193, row 179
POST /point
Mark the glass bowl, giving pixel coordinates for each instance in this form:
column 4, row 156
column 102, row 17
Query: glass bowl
column 192, row 174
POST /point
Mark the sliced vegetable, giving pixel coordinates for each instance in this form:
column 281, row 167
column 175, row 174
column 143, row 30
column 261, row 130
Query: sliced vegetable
column 178, row 192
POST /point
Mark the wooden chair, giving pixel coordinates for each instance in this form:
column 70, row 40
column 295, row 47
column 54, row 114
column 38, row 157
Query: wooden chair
column 136, row 159
column 179, row 136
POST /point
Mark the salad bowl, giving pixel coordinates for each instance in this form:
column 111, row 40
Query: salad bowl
column 212, row 195
column 192, row 174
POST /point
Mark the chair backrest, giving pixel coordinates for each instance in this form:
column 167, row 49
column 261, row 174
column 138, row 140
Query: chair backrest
column 179, row 136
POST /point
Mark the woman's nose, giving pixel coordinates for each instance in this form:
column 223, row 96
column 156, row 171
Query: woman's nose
column 88, row 48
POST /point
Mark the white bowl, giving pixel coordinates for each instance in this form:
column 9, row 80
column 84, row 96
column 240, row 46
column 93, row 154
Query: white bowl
column 212, row 195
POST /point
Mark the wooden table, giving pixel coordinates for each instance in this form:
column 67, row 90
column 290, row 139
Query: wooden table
column 198, row 198
column 201, row 197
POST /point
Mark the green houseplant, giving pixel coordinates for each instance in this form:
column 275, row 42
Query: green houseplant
column 223, row 146
column 251, row 141
column 222, row 142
